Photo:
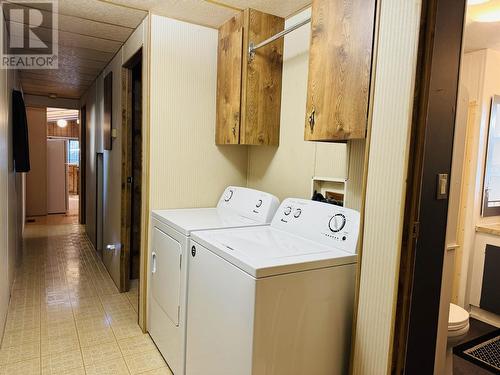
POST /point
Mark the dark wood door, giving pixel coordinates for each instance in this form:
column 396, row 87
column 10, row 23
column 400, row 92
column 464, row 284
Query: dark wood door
column 136, row 161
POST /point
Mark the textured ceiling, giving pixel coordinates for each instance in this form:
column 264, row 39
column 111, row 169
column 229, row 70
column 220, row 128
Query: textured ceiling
column 481, row 35
column 212, row 13
column 92, row 31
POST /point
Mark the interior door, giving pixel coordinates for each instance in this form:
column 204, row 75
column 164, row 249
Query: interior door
column 57, row 176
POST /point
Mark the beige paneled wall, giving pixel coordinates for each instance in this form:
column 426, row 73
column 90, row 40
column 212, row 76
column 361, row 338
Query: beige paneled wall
column 89, row 100
column 354, row 184
column 112, row 159
column 36, row 178
column 386, row 184
column 187, row 168
column 11, row 188
column 94, row 101
column 287, row 170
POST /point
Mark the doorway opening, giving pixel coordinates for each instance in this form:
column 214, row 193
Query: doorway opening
column 63, row 162
column 60, row 151
column 451, row 196
column 132, row 157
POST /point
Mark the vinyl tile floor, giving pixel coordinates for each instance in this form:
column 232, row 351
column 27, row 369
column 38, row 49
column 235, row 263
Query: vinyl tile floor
column 66, row 315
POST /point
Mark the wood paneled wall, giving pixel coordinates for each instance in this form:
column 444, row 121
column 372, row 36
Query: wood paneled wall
column 73, row 178
column 70, row 131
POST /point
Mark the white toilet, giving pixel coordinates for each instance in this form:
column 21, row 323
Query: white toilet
column 458, row 323
column 458, row 326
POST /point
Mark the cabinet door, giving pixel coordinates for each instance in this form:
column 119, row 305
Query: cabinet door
column 339, row 69
column 229, row 60
column 261, row 99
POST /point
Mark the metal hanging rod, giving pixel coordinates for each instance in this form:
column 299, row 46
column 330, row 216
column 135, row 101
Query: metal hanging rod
column 252, row 48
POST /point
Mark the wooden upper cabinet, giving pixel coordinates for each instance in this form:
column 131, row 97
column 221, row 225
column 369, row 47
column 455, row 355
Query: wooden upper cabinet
column 249, row 89
column 229, row 60
column 339, row 69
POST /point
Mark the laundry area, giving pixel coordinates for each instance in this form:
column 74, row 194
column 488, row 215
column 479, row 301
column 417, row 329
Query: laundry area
column 239, row 187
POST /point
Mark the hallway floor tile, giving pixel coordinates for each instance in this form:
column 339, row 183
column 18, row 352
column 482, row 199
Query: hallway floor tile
column 66, row 316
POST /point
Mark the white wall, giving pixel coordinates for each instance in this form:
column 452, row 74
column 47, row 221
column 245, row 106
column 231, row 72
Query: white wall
column 36, row 178
column 10, row 192
column 480, row 76
column 187, row 169
column 287, row 170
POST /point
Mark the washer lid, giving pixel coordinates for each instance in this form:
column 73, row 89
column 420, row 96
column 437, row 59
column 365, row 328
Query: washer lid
column 187, row 220
column 265, row 251
column 457, row 318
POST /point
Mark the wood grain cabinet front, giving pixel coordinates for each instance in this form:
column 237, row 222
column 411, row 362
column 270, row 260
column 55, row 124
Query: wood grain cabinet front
column 340, row 60
column 249, row 88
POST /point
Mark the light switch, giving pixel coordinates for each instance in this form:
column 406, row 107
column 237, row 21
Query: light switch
column 442, row 186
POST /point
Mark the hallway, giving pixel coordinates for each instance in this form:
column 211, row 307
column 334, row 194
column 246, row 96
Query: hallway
column 67, row 317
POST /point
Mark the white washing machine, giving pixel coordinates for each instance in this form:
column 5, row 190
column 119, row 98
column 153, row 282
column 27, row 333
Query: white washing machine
column 237, row 207
column 276, row 299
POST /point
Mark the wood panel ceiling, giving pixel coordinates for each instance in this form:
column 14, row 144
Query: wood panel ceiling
column 54, row 114
column 92, row 31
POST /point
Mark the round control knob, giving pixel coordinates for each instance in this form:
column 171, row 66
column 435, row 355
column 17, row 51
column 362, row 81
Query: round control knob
column 297, row 213
column 259, row 203
column 288, row 210
column 337, row 223
column 228, row 195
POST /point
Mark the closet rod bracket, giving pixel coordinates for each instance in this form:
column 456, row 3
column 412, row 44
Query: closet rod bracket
column 253, row 47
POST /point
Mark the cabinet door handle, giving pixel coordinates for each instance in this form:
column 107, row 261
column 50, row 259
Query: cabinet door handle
column 153, row 265
column 311, row 119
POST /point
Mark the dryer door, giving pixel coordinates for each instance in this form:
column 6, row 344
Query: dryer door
column 166, row 274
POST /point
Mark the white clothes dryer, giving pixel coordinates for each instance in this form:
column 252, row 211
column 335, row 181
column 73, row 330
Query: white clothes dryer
column 168, row 260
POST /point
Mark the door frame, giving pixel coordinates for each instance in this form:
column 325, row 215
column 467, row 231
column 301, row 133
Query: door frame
column 424, row 230
column 83, row 165
column 126, row 193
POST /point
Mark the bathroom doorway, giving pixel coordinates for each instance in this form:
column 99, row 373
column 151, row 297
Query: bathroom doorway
column 446, row 194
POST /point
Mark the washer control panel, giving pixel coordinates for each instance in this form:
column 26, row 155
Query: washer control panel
column 320, row 222
column 250, row 203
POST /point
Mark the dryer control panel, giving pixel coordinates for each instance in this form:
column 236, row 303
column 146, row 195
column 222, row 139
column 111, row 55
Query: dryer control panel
column 320, row 222
column 250, row 203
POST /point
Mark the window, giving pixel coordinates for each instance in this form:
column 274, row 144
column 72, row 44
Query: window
column 491, row 183
column 73, row 152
